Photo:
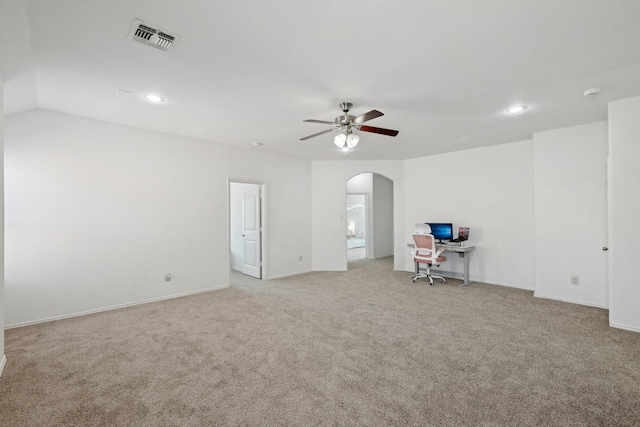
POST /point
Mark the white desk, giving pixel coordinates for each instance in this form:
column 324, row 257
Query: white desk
column 462, row 252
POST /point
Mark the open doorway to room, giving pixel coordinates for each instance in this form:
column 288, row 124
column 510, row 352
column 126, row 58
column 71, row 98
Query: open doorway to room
column 369, row 232
column 356, row 226
column 246, row 228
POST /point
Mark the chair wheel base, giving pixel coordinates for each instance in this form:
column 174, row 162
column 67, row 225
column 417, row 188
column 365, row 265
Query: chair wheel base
column 415, row 278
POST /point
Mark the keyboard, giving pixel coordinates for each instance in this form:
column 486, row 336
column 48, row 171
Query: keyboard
column 458, row 240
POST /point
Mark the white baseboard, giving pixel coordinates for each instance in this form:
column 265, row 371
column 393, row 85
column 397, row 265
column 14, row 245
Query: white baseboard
column 572, row 301
column 460, row 276
column 506, row 285
column 113, row 307
column 3, row 362
column 280, row 276
column 625, row 327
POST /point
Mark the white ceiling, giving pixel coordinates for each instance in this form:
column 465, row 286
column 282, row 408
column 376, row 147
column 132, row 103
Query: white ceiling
column 442, row 71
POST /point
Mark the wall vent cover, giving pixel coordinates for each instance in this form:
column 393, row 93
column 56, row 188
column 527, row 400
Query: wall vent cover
column 153, row 36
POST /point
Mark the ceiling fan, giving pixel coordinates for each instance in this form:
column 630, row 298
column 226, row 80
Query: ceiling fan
column 346, row 124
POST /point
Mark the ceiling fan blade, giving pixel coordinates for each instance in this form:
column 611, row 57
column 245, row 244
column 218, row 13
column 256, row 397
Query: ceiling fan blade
column 316, row 134
column 324, row 122
column 382, row 131
column 367, row 116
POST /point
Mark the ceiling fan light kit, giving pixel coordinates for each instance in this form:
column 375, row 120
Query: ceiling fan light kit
column 593, row 92
column 347, row 140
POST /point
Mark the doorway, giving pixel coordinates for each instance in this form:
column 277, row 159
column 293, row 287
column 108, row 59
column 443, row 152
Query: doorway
column 370, row 227
column 356, row 226
column 246, row 228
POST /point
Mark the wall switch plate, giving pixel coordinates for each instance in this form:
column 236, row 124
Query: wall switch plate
column 575, row 280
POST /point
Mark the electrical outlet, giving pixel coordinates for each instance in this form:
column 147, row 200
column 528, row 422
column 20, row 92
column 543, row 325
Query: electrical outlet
column 575, row 280
column 167, row 277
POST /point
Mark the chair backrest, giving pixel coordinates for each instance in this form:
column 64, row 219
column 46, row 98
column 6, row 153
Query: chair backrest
column 425, row 247
column 424, row 241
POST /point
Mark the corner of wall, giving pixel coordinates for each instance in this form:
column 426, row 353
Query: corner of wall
column 2, row 228
column 624, row 207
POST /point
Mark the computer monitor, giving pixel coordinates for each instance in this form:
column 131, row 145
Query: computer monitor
column 441, row 230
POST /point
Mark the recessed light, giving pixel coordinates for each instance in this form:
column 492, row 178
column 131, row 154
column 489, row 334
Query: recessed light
column 257, row 144
column 516, row 109
column 152, row 97
column 593, row 92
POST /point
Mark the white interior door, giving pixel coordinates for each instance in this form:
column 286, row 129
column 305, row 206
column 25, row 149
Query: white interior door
column 251, row 232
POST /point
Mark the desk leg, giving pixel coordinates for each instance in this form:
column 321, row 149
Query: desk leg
column 466, row 268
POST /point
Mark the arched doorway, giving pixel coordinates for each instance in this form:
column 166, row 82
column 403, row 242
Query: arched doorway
column 369, row 217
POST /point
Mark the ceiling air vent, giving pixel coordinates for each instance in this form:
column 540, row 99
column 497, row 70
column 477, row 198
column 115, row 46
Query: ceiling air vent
column 153, row 36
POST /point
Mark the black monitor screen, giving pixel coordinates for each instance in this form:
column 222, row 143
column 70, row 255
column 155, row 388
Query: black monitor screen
column 441, row 230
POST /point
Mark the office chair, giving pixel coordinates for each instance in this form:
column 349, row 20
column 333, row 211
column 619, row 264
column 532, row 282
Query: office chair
column 425, row 252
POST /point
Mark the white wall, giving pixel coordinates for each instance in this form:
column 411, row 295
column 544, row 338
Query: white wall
column 98, row 213
column 382, row 224
column 489, row 190
column 2, row 246
column 624, row 199
column 570, row 180
column 328, row 190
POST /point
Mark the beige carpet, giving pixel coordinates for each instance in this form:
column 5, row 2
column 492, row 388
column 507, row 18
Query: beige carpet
column 366, row 347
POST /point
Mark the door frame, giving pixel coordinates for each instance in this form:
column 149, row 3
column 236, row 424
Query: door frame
column 263, row 221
